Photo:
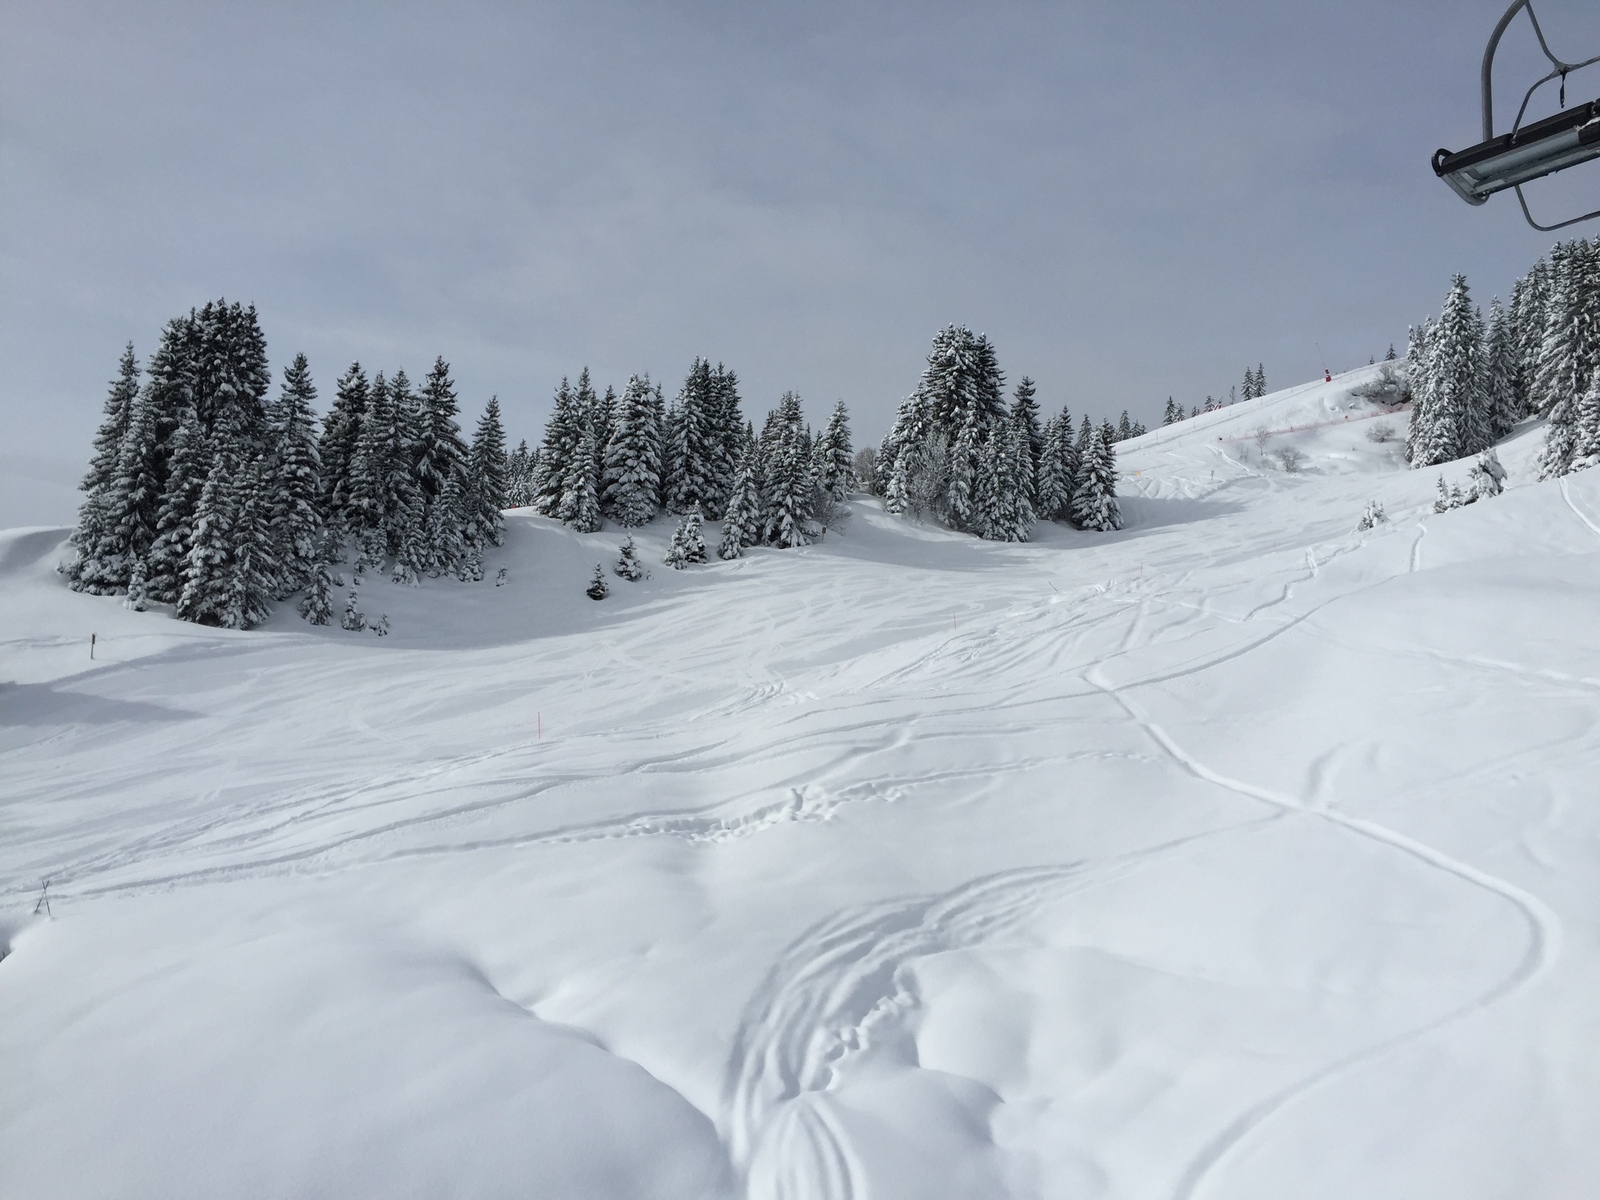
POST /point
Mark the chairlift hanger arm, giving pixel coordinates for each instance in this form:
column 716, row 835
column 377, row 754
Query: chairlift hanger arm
column 1526, row 152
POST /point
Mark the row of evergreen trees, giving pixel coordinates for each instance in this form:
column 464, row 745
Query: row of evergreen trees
column 1255, row 386
column 959, row 454
column 1472, row 379
column 203, row 494
column 626, row 459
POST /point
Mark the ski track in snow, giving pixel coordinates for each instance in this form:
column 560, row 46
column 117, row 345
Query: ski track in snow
column 1544, row 947
column 838, row 991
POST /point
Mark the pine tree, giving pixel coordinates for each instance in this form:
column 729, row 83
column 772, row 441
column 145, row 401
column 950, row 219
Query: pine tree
column 1173, row 414
column 786, row 472
column 1500, row 355
column 363, row 513
column 1529, row 299
column 486, row 474
column 561, row 436
column 703, row 469
column 93, row 569
column 519, row 477
column 1025, row 416
column 742, row 523
column 404, row 502
column 132, row 502
column 205, row 590
column 580, row 498
column 1453, row 421
column 188, row 464
column 1557, row 372
column 632, row 493
column 136, row 587
column 1094, row 501
column 316, row 606
column 832, row 458
column 693, row 542
column 1057, row 470
column 1572, row 437
column 628, row 564
column 439, row 461
column 341, row 432
column 295, row 480
column 598, row 589
column 353, row 620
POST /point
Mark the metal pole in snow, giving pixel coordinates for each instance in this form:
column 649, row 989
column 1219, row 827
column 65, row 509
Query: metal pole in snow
column 91, row 646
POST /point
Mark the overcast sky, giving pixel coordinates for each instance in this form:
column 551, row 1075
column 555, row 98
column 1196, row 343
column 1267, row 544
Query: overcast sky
column 1134, row 200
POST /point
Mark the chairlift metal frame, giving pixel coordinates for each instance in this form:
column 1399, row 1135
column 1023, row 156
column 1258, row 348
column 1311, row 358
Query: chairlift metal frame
column 1526, row 152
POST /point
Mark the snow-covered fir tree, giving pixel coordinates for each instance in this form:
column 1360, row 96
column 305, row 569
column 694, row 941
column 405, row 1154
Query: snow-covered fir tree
column 1094, row 499
column 341, row 431
column 786, row 472
column 628, row 565
column 960, row 401
column 1500, row 373
column 519, row 477
column 1025, row 416
column 294, row 481
column 316, row 606
column 1572, row 437
column 1450, row 419
column 562, row 434
column 1058, row 470
column 439, row 461
column 188, row 464
column 742, row 522
column 93, row 569
column 580, row 496
column 483, row 522
column 632, row 481
column 598, row 588
column 833, row 458
column 1173, row 414
column 688, row 542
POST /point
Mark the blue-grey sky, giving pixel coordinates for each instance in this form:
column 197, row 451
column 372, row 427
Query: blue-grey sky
column 1133, row 200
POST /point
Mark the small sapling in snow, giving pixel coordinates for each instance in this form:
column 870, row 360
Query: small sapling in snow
column 598, row 589
column 1373, row 517
column 628, row 564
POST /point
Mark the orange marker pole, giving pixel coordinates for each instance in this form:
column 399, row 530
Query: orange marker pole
column 538, row 719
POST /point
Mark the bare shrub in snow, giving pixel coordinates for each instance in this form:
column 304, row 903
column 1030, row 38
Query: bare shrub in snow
column 1291, row 460
column 928, row 476
column 1388, row 388
column 866, row 466
column 1380, row 432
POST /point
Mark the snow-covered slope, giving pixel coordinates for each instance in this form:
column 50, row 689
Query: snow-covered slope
column 1236, row 854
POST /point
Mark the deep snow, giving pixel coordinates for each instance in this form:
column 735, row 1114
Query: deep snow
column 1237, row 854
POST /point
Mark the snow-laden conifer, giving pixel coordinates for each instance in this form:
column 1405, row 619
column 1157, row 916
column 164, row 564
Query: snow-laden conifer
column 1025, row 416
column 786, row 472
column 1058, row 469
column 1451, row 421
column 580, row 497
column 1500, row 372
column 628, row 565
column 94, row 569
column 598, row 588
column 742, row 522
column 316, row 606
column 1173, row 414
column 1094, row 500
column 562, row 434
column 632, row 483
column 341, row 431
column 187, row 467
column 294, row 480
column 486, row 475
column 833, row 457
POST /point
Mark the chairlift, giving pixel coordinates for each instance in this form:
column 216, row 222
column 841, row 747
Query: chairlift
column 1530, row 151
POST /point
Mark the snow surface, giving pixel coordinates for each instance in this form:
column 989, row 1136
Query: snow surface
column 1237, row 854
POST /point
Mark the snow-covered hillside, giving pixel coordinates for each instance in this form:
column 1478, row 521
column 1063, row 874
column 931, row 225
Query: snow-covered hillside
column 1236, row 854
